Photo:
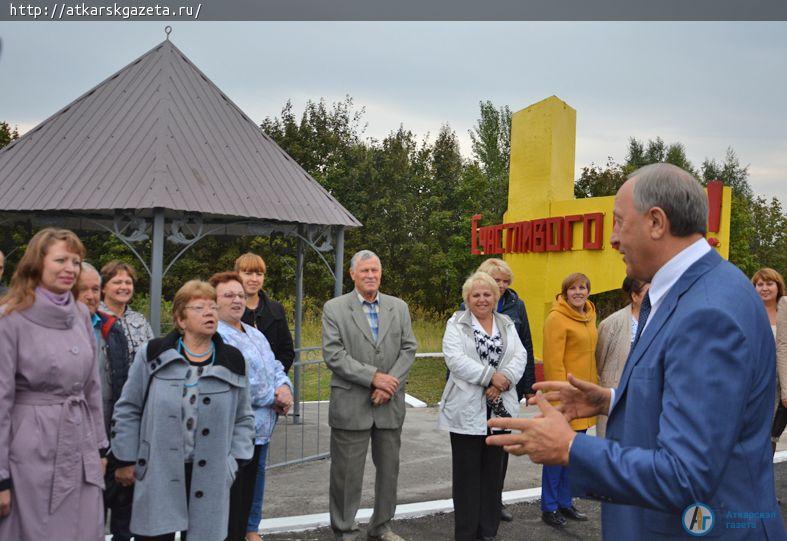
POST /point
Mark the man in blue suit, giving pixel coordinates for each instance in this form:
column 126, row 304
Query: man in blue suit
column 687, row 451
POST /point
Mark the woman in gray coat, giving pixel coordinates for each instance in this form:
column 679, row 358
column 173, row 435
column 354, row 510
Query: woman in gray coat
column 183, row 422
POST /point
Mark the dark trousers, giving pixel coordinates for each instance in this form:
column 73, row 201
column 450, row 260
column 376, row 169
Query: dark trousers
column 477, row 485
column 503, row 472
column 118, row 500
column 779, row 421
column 241, row 496
column 171, row 536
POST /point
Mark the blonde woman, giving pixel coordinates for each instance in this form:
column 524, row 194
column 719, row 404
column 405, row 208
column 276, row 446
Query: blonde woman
column 486, row 358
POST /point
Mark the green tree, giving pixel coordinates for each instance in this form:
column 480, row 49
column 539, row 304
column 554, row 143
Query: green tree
column 7, row 134
column 595, row 181
column 491, row 145
column 14, row 236
column 769, row 244
column 656, row 151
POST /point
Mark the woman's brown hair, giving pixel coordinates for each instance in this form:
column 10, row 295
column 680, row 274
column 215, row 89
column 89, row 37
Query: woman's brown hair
column 570, row 280
column 112, row 269
column 767, row 274
column 27, row 275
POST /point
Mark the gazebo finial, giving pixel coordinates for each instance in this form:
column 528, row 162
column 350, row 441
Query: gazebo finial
column 167, row 31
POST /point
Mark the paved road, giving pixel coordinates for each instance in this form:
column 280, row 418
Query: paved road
column 527, row 523
column 425, row 474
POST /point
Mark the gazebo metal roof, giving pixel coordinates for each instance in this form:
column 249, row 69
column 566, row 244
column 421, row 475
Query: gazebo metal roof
column 157, row 149
column 159, row 133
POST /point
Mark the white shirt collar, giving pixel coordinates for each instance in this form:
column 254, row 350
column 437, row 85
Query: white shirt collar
column 362, row 300
column 668, row 274
column 477, row 325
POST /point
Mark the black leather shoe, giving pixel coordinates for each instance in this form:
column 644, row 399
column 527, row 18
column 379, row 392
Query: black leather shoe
column 553, row 518
column 505, row 516
column 572, row 513
column 487, row 538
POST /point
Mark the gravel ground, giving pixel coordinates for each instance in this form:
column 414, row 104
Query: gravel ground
column 526, row 525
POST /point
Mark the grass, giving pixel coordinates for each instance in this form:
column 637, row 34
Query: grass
column 427, row 376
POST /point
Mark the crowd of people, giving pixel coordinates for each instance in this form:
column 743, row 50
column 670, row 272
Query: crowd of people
column 174, row 429
column 171, row 433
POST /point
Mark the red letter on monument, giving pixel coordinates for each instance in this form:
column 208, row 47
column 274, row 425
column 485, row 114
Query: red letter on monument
column 554, row 234
column 595, row 219
column 474, row 234
column 539, row 235
column 568, row 230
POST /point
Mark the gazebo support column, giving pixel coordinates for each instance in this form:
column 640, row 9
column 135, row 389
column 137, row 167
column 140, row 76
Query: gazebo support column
column 156, row 269
column 338, row 272
column 296, row 412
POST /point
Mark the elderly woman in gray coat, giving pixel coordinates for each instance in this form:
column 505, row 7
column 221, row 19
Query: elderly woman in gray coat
column 486, row 359
column 183, row 422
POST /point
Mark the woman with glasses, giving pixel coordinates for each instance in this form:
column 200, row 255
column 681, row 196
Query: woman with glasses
column 271, row 395
column 183, row 422
column 263, row 312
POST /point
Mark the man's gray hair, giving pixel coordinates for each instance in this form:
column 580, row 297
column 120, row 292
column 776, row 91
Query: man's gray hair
column 676, row 192
column 88, row 267
column 362, row 255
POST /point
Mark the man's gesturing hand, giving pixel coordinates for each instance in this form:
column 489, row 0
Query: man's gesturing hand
column 385, row 382
column 545, row 439
column 578, row 398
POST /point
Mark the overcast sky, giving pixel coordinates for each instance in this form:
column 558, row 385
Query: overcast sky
column 707, row 85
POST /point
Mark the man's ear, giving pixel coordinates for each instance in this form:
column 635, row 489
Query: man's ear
column 658, row 222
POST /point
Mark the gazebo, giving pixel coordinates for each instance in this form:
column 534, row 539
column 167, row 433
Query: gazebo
column 157, row 151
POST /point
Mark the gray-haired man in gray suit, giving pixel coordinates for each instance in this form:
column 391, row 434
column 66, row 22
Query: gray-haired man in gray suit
column 368, row 344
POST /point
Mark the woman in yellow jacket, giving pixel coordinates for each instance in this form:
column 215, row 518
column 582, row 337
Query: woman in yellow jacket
column 569, row 348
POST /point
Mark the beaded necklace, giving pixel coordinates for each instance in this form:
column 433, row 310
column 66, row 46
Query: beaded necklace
column 212, row 351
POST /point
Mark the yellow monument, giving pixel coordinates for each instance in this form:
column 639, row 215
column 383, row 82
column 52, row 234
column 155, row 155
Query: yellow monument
column 547, row 233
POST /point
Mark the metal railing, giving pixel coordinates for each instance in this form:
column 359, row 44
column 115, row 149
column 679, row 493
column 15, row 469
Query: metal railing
column 303, row 434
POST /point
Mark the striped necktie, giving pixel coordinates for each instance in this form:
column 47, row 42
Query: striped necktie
column 644, row 312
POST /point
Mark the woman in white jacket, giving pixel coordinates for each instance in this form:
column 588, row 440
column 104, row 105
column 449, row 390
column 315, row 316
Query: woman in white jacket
column 486, row 358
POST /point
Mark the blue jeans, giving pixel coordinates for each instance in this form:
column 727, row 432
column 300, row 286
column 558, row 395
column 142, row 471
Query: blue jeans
column 555, row 487
column 255, row 513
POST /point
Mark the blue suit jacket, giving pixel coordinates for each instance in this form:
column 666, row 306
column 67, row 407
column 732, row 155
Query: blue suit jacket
column 692, row 416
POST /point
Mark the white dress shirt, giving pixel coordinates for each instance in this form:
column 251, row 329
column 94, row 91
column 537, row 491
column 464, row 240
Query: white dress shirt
column 666, row 277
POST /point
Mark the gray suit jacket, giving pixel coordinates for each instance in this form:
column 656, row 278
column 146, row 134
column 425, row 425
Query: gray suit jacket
column 353, row 356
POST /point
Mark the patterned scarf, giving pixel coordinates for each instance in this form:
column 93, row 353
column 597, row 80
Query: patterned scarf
column 490, row 351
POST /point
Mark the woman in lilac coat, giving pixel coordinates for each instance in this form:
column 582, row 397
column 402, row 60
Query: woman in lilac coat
column 51, row 425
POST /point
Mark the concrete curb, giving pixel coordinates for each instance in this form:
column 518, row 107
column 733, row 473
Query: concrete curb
column 410, row 400
column 403, row 511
